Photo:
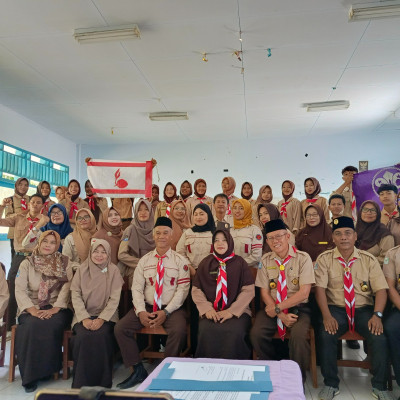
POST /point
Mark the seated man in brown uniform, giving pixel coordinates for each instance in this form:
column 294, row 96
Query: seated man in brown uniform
column 160, row 286
column 346, row 281
column 285, row 281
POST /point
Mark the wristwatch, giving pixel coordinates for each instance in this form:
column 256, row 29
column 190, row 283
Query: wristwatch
column 167, row 313
column 277, row 310
column 378, row 314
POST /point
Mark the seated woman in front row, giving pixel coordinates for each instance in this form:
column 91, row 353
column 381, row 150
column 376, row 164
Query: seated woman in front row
column 42, row 293
column 96, row 290
column 223, row 288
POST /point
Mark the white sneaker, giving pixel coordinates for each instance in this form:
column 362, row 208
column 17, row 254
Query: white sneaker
column 382, row 394
column 328, row 393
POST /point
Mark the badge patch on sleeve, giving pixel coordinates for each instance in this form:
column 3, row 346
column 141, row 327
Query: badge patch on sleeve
column 316, row 266
column 185, row 268
column 386, row 260
column 258, row 237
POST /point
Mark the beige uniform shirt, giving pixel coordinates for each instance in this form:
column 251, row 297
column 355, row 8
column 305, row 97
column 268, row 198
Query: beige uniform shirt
column 248, row 244
column 27, row 288
column 160, row 210
column 69, row 250
column 386, row 217
column 391, row 266
column 123, row 205
column 31, row 239
column 4, row 294
column 176, row 281
column 380, row 249
column 366, row 269
column 321, row 202
column 394, row 228
column 21, row 226
column 195, row 246
column 49, row 204
column 298, row 271
column 227, row 218
column 80, row 204
column 347, row 197
column 13, row 209
column 192, row 202
column 293, row 210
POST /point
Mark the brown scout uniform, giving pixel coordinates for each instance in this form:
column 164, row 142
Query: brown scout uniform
column 248, row 244
column 347, row 197
column 13, row 209
column 386, row 217
column 380, row 249
column 124, row 206
column 321, row 201
column 293, row 210
column 67, row 204
column 192, row 202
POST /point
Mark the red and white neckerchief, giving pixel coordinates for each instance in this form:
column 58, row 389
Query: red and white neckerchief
column 168, row 211
column 391, row 215
column 45, row 208
column 229, row 211
column 283, row 208
column 32, row 221
column 349, row 296
column 311, row 200
column 159, row 283
column 222, row 282
column 281, row 292
column 353, row 205
column 201, row 199
column 73, row 209
column 24, row 206
column 92, row 204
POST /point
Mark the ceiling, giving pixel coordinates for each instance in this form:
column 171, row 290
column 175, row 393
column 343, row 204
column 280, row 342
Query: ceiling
column 83, row 91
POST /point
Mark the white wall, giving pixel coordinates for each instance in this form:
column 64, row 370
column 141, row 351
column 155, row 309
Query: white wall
column 28, row 135
column 261, row 162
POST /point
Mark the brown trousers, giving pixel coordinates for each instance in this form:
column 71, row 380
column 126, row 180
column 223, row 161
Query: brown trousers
column 264, row 329
column 125, row 329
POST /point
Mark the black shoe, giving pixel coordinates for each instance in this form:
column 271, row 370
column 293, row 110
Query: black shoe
column 138, row 375
column 30, row 387
column 353, row 344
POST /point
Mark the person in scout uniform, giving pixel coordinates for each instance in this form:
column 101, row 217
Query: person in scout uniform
column 391, row 270
column 285, row 280
column 346, row 190
column 388, row 197
column 160, row 286
column 346, row 280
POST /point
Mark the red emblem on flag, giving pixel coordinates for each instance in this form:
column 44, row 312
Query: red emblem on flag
column 121, row 183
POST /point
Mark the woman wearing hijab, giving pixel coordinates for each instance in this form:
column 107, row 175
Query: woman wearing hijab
column 312, row 189
column 137, row 239
column 247, row 193
column 225, row 321
column 72, row 201
column 95, row 291
column 200, row 197
column 180, row 221
column 247, row 237
column 77, row 244
column 264, row 197
column 185, row 191
column 372, row 235
column 196, row 243
column 42, row 293
column 316, row 236
column 111, row 231
column 44, row 190
column 155, row 196
column 265, row 213
column 228, row 185
column 59, row 222
column 163, row 208
column 290, row 207
column 60, row 193
column 96, row 204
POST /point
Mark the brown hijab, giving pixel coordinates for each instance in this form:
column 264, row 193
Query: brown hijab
column 82, row 237
column 188, row 195
column 17, row 182
column 370, row 233
column 52, row 267
column 232, row 186
column 156, row 199
column 314, row 240
column 247, row 220
column 195, row 187
column 178, row 225
column 251, row 195
column 141, row 239
column 169, row 200
column 260, row 199
column 292, row 185
column 112, row 234
column 273, row 214
column 237, row 272
column 316, row 185
column 97, row 282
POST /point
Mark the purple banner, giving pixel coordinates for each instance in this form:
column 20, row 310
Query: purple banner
column 366, row 184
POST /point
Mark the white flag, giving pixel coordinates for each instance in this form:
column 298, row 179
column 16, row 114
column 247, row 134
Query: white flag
column 111, row 178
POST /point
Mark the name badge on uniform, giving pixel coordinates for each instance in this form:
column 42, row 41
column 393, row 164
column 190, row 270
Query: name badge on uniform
column 272, row 285
column 322, row 242
column 364, row 286
column 272, row 267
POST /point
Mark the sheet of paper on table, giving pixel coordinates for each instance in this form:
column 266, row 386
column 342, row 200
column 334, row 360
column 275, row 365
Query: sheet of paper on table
column 189, row 395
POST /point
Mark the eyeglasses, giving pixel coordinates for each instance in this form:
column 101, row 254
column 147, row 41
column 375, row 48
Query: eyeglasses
column 310, row 216
column 180, row 209
column 276, row 237
column 86, row 217
column 56, row 213
column 368, row 210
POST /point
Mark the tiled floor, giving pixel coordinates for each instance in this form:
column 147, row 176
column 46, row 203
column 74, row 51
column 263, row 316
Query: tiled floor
column 355, row 382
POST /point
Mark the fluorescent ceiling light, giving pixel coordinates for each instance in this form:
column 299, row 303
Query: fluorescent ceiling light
column 382, row 9
column 327, row 106
column 168, row 116
column 121, row 32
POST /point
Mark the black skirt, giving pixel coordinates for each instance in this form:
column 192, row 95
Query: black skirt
column 227, row 340
column 38, row 345
column 92, row 352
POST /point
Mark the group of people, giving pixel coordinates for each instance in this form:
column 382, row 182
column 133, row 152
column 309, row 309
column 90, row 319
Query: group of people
column 298, row 263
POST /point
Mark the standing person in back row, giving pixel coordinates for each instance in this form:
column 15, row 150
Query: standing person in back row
column 312, row 189
column 346, row 190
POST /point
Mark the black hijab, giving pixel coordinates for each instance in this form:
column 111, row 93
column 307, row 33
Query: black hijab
column 210, row 225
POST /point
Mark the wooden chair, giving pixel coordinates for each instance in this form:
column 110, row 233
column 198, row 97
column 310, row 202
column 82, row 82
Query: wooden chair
column 366, row 364
column 67, row 363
